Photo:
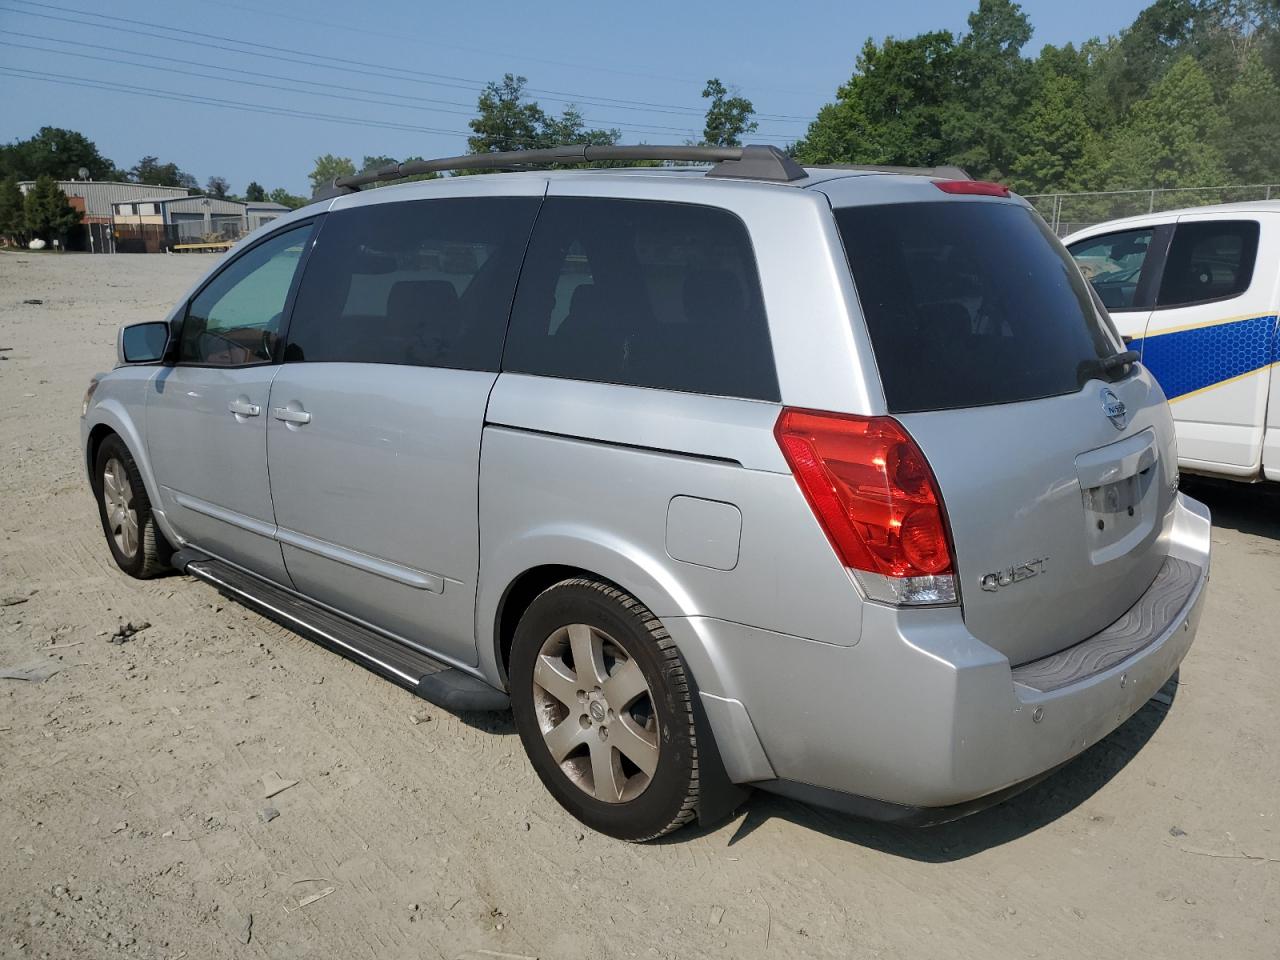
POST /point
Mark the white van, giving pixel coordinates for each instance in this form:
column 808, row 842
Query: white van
column 1197, row 293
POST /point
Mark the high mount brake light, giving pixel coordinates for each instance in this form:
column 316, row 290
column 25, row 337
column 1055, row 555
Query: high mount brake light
column 980, row 188
column 874, row 495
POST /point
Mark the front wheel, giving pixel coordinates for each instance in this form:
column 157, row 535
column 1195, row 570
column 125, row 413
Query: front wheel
column 137, row 545
column 603, row 707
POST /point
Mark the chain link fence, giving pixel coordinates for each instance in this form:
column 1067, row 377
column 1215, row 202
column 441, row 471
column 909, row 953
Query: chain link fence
column 1069, row 212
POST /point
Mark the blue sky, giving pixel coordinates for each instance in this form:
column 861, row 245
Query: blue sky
column 637, row 67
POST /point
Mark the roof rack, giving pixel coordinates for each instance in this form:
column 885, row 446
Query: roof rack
column 947, row 171
column 744, row 163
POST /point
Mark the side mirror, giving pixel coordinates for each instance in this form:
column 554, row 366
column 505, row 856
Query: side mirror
column 143, row 342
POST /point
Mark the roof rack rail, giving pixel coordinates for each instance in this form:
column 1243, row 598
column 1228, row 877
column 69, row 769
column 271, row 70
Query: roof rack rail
column 744, row 163
column 948, row 171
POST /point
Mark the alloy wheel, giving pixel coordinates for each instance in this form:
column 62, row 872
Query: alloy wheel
column 122, row 518
column 596, row 713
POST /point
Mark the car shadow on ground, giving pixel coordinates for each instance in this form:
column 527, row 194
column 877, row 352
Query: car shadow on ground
column 1252, row 508
column 1068, row 789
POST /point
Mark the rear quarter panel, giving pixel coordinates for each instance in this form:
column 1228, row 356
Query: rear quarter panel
column 583, row 475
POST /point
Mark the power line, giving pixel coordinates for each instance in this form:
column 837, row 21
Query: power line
column 224, row 77
column 114, row 87
column 133, row 90
column 344, row 63
column 241, row 70
column 353, row 28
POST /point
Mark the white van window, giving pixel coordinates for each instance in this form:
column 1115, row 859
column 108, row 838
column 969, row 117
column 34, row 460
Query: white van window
column 1113, row 264
column 1208, row 260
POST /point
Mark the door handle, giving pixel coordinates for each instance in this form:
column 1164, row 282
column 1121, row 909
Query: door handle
column 285, row 415
column 242, row 408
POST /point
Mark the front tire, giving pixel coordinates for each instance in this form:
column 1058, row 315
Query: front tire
column 137, row 545
column 603, row 707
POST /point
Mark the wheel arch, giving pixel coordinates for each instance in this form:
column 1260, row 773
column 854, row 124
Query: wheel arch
column 719, row 795
column 110, row 417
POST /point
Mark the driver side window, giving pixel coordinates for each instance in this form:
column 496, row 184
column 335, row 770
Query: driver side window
column 236, row 319
column 1114, row 264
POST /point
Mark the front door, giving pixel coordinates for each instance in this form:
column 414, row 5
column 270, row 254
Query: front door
column 207, row 414
column 373, row 431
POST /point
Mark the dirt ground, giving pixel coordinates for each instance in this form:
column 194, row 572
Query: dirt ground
column 132, row 799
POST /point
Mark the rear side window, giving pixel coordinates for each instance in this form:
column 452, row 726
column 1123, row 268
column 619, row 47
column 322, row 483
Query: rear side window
column 1114, row 265
column 419, row 283
column 1210, row 260
column 970, row 303
column 643, row 293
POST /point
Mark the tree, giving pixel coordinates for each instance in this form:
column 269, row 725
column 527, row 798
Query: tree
column 893, row 108
column 1251, row 135
column 46, row 212
column 151, row 171
column 507, row 121
column 255, row 192
column 369, row 164
column 728, row 117
column 1172, row 135
column 328, row 168
column 994, row 85
column 282, row 196
column 217, row 187
column 1055, row 139
column 12, row 216
column 56, row 153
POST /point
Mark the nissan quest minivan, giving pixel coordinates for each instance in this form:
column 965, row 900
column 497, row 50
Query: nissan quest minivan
column 839, row 483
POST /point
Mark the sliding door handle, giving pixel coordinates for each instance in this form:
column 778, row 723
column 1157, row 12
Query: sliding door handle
column 243, row 408
column 285, row 415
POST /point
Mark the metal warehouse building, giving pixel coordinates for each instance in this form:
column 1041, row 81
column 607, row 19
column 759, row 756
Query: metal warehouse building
column 154, row 223
column 95, row 198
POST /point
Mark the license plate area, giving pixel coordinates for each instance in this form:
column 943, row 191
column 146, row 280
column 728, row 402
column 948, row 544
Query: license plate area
column 1120, row 492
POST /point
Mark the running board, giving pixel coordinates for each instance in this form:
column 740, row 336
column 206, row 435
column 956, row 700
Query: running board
column 432, row 680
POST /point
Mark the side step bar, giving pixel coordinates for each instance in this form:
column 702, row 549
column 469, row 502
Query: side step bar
column 432, row 680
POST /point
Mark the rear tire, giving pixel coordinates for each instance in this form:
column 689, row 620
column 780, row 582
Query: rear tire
column 612, row 740
column 137, row 545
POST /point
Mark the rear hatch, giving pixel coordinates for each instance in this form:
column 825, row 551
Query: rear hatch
column 1056, row 469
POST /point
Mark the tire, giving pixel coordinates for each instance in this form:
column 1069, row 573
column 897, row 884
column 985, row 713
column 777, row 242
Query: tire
column 137, row 545
column 598, row 737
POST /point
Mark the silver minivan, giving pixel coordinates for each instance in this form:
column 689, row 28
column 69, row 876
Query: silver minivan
column 839, row 483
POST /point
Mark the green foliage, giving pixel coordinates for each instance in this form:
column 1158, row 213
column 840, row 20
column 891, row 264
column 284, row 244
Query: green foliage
column 1171, row 137
column 995, row 84
column 150, row 170
column 12, row 216
column 893, row 108
column 255, row 192
column 1250, row 142
column 57, row 153
column 509, row 121
column 1054, row 139
column 1186, row 96
column 282, row 196
column 217, row 187
column 728, row 117
column 46, row 212
column 327, row 169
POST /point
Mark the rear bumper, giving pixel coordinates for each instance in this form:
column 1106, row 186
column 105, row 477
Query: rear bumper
column 919, row 714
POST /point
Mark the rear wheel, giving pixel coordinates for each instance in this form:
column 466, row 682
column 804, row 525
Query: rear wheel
column 602, row 705
column 137, row 545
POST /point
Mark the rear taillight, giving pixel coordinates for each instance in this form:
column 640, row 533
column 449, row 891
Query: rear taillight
column 980, row 188
column 873, row 493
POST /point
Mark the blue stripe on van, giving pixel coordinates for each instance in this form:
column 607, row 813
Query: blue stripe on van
column 1188, row 360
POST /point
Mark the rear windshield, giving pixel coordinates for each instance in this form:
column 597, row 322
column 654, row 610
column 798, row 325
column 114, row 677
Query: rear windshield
column 970, row 303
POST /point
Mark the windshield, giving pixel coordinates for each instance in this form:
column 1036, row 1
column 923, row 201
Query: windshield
column 970, row 303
